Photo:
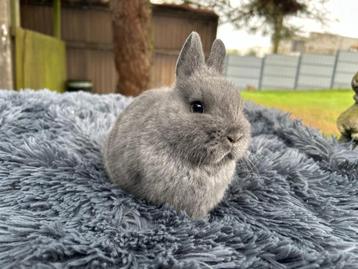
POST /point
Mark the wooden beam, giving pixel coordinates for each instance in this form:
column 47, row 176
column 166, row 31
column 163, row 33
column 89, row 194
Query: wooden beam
column 15, row 13
column 6, row 74
column 85, row 45
column 57, row 18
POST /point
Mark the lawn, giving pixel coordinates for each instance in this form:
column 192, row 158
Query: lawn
column 317, row 108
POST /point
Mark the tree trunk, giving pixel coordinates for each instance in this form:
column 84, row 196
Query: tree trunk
column 5, row 46
column 277, row 33
column 132, row 44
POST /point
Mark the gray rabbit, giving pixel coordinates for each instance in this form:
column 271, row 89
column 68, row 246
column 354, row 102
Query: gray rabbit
column 180, row 145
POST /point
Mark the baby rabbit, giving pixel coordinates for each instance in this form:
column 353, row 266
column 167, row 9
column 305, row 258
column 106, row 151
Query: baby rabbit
column 179, row 145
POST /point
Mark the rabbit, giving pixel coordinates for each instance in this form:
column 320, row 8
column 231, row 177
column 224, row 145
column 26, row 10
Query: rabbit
column 179, row 145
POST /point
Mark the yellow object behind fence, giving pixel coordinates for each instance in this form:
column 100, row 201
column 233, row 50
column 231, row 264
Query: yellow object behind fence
column 40, row 61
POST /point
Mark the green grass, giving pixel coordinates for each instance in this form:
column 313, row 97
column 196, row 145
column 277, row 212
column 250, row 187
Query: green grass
column 317, row 108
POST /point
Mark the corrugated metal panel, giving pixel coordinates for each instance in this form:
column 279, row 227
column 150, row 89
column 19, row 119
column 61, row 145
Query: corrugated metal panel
column 245, row 61
column 347, row 67
column 247, row 72
column 244, row 71
column 343, row 78
column 318, row 59
column 243, row 83
column 345, row 85
column 278, row 82
column 348, row 56
column 316, row 70
column 283, row 60
column 313, row 81
column 271, row 70
column 279, row 71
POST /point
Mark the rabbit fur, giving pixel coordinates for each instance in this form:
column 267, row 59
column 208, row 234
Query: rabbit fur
column 161, row 150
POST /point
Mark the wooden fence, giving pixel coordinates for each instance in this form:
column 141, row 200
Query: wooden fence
column 87, row 32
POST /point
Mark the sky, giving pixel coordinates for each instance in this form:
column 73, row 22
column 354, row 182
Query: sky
column 344, row 21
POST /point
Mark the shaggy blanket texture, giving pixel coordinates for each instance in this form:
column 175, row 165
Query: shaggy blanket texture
column 292, row 204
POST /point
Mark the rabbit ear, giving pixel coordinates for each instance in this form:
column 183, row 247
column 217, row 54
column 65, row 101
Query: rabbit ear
column 217, row 56
column 191, row 56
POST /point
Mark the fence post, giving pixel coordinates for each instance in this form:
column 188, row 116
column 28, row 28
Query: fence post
column 6, row 72
column 263, row 61
column 298, row 69
column 226, row 64
column 15, row 13
column 57, row 19
column 334, row 69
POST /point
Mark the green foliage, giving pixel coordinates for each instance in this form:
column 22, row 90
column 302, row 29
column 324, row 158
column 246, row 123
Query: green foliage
column 233, row 52
column 251, row 52
column 266, row 16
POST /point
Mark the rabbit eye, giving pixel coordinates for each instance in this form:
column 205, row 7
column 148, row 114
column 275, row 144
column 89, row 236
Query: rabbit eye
column 197, row 107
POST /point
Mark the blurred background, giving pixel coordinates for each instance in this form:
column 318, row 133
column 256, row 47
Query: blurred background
column 295, row 55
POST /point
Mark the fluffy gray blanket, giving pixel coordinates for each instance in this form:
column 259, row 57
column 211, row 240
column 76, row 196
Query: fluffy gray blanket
column 293, row 202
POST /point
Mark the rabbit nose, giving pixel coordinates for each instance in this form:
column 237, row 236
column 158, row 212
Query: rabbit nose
column 233, row 138
column 233, row 135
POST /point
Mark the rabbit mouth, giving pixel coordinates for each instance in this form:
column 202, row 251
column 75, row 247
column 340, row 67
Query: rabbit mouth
column 224, row 157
